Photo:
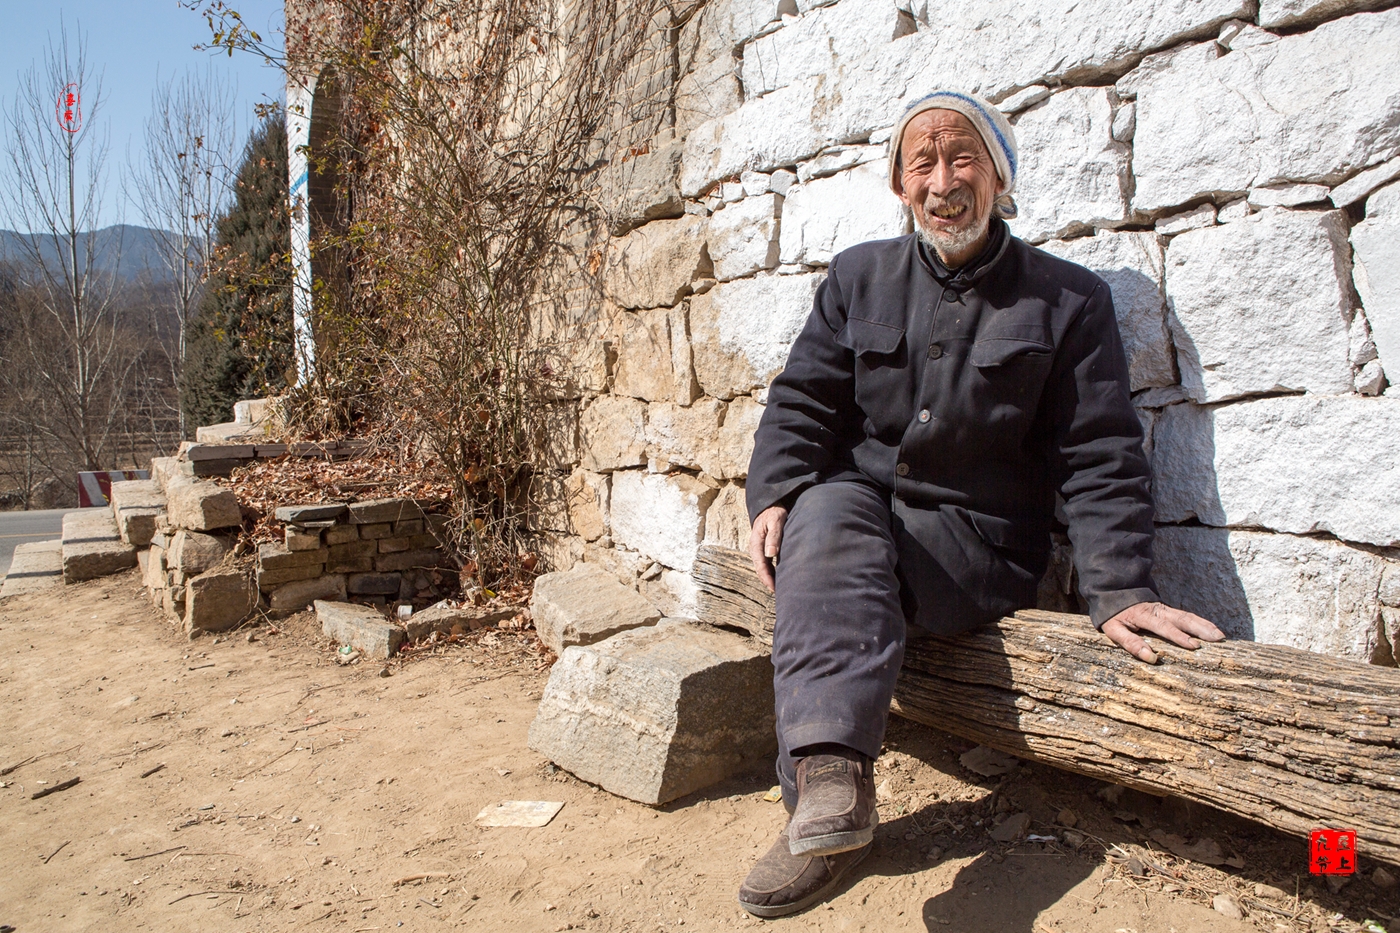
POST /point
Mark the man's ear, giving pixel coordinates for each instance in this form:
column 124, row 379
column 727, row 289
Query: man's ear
column 897, row 185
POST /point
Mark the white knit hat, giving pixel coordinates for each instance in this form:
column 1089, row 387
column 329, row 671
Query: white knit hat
column 991, row 124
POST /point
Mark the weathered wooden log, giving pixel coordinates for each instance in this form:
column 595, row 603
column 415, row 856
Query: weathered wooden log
column 1295, row 740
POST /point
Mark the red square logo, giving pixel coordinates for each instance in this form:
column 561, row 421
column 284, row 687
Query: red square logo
column 1332, row 852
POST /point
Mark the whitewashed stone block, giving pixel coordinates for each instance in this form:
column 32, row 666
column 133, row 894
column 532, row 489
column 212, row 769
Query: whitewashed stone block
column 989, row 48
column 1275, row 589
column 1298, row 464
column 660, row 515
column 1313, row 107
column 832, row 161
column 1376, row 241
column 736, row 438
column 1262, row 305
column 743, row 237
column 1024, row 98
column 612, row 433
column 1075, row 175
column 824, row 216
column 709, row 92
column 653, row 265
column 686, row 436
column 741, row 331
column 641, row 189
column 1366, row 181
column 1132, row 265
column 817, row 43
column 1287, row 196
column 1277, row 14
column 727, row 521
column 1195, row 218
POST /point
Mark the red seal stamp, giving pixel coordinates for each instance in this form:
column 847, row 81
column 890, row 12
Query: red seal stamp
column 1332, row 852
column 68, row 111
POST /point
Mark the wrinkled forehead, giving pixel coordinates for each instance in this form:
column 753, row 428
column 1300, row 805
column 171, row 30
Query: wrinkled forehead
column 946, row 126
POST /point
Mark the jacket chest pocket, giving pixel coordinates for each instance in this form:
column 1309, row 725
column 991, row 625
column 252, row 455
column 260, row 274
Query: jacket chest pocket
column 882, row 378
column 1011, row 373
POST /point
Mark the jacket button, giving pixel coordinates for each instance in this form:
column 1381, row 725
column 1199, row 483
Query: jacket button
column 902, row 469
column 934, row 351
column 923, row 416
column 949, row 295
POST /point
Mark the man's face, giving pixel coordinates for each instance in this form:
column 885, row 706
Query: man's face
column 949, row 181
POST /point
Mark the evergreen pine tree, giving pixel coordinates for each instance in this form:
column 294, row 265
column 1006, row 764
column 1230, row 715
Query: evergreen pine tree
column 240, row 342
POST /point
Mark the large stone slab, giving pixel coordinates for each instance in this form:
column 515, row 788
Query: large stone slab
column 1313, row 107
column 585, row 605
column 660, row 515
column 741, row 331
column 216, row 602
column 654, row 265
column 686, row 436
column 819, row 43
column 1132, row 265
column 640, row 189
column 612, row 432
column 360, row 627
column 1273, row 588
column 658, row 712
column 823, row 216
column 1284, row 14
column 200, row 505
column 1262, row 305
column 193, row 552
column 35, row 566
column 1298, row 464
column 92, row 547
column 136, row 504
column 1076, row 175
column 743, row 237
column 1376, row 241
column 990, row 48
column 299, row 594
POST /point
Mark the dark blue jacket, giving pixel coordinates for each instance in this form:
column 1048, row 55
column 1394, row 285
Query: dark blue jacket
column 972, row 404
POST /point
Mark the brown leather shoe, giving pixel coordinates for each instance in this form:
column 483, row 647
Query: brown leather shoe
column 835, row 805
column 782, row 883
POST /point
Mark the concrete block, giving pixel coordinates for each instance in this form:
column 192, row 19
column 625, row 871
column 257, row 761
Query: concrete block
column 35, row 566
column 373, row 584
column 662, row 516
column 299, row 594
column 655, row 713
column 295, row 514
column 384, row 510
column 302, row 540
column 586, row 605
column 136, row 504
column 215, row 602
column 269, row 580
column 200, row 505
column 421, row 559
column 360, row 627
column 92, row 546
column 194, row 552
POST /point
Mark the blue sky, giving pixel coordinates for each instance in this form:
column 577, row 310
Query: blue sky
column 133, row 43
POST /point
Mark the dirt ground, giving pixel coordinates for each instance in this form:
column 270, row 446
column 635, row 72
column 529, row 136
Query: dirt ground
column 293, row 793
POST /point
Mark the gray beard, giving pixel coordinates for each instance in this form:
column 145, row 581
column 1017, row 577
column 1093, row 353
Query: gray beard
column 955, row 242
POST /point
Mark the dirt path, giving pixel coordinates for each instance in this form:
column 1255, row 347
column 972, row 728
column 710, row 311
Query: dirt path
column 295, row 794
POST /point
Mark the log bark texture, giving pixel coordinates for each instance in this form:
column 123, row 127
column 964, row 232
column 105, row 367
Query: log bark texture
column 1295, row 740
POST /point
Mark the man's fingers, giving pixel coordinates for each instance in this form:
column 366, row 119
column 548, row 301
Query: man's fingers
column 757, row 537
column 775, row 536
column 1204, row 629
column 1129, row 641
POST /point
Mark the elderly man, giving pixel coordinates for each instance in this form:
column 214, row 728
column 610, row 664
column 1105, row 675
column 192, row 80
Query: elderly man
column 946, row 386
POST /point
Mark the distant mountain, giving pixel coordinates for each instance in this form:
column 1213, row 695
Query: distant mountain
column 124, row 249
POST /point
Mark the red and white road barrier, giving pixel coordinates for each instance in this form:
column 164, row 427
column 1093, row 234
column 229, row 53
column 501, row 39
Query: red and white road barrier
column 94, row 487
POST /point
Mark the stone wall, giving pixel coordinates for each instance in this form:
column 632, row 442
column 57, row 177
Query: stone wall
column 1228, row 167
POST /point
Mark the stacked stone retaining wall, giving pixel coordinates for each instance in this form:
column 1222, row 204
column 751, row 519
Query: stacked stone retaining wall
column 1228, row 166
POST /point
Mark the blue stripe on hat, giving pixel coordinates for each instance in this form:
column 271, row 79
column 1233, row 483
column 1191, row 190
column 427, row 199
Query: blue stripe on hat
column 1007, row 152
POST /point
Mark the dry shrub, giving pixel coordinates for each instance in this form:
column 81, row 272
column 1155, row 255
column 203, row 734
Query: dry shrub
column 468, row 133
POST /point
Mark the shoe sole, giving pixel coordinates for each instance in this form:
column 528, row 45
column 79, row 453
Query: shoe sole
column 835, row 843
column 782, row 910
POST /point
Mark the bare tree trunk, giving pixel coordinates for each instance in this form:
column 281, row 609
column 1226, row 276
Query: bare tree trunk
column 1295, row 740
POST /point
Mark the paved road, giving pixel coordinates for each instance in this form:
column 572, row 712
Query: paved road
column 21, row 527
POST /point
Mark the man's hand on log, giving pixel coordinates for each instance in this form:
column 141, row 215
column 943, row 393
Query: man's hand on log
column 764, row 541
column 1175, row 625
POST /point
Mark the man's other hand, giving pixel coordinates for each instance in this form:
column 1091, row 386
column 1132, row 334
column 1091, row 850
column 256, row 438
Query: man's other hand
column 765, row 539
column 1175, row 625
